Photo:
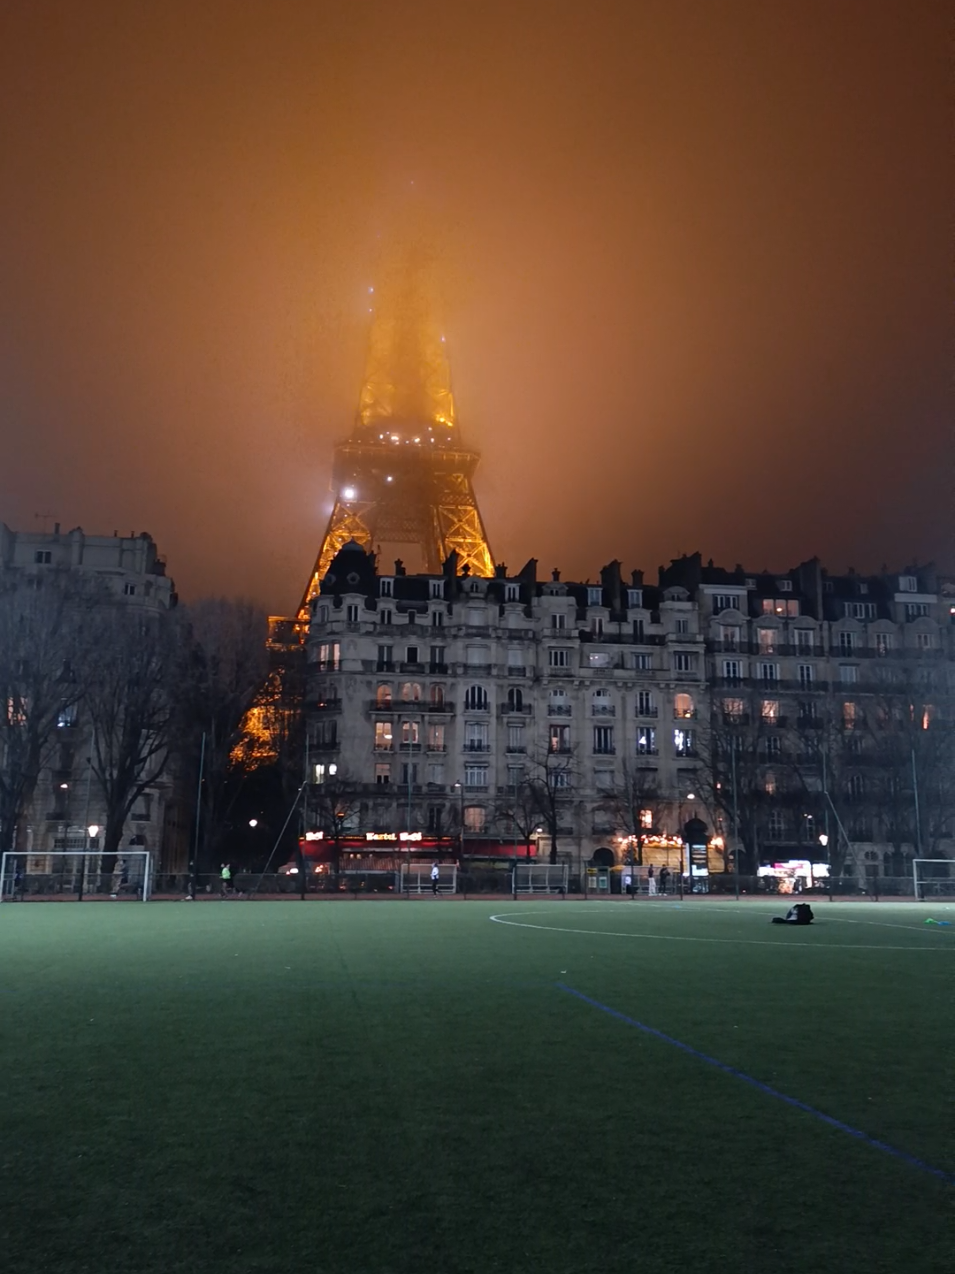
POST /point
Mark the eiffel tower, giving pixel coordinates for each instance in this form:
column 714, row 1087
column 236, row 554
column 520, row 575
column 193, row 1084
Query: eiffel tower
column 404, row 475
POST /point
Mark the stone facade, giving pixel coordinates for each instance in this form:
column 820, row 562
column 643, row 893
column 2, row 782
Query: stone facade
column 436, row 697
column 66, row 800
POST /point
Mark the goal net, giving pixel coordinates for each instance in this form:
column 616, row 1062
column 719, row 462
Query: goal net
column 540, row 878
column 934, row 878
column 64, row 874
column 416, row 878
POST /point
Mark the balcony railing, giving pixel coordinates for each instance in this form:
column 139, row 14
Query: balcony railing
column 445, row 707
column 604, row 710
column 651, row 713
column 516, row 670
column 559, row 710
column 471, row 746
column 515, row 710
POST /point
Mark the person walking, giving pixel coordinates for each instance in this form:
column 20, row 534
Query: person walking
column 651, row 882
column 435, row 876
column 225, row 876
column 664, row 877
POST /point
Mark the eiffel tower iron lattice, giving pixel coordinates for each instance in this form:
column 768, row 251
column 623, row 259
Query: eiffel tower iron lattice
column 404, row 475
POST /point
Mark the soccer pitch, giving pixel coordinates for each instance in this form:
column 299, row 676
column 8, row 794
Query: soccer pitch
column 475, row 1086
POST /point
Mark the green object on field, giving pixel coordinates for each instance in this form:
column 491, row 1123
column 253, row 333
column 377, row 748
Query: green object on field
column 390, row 1086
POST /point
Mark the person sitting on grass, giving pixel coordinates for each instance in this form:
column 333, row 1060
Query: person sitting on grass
column 800, row 914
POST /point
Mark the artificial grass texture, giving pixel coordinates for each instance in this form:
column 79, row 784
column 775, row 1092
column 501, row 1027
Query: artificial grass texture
column 397, row 1086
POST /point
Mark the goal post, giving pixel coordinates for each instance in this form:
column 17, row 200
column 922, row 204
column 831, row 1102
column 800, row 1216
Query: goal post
column 61, row 873
column 933, row 878
column 540, row 878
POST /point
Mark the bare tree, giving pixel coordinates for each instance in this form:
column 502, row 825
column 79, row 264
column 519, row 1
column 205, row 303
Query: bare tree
column 333, row 805
column 630, row 802
column 909, row 737
column 225, row 670
column 550, row 786
column 39, row 622
column 519, row 813
column 130, row 675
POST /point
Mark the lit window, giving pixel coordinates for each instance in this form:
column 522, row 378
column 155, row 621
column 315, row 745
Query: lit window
column 646, row 741
column 769, row 711
column 383, row 736
column 329, row 656
column 410, row 733
column 734, row 709
column 475, row 816
column 683, row 706
column 559, row 740
column 383, row 696
column 411, row 691
column 683, row 742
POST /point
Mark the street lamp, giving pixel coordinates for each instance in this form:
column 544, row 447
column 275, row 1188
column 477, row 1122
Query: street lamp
column 253, row 822
column 92, row 831
column 824, row 842
column 459, row 788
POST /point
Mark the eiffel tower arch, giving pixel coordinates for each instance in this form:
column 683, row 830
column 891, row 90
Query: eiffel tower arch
column 404, row 476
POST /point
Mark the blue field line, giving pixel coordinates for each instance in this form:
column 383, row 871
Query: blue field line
column 911, row 1160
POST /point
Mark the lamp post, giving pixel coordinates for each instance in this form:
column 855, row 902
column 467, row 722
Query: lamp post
column 824, row 842
column 91, row 832
column 459, row 788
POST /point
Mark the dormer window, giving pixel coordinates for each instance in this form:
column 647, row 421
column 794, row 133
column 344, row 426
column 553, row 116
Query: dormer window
column 634, row 597
column 512, row 592
column 386, row 586
column 436, row 587
column 595, row 596
column 784, row 585
column 908, row 584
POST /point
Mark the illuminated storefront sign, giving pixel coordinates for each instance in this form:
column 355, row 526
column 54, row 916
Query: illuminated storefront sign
column 393, row 836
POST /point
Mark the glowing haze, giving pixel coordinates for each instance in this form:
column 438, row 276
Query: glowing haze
column 695, row 262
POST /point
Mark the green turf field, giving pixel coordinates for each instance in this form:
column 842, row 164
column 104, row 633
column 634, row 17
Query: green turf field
column 405, row 1086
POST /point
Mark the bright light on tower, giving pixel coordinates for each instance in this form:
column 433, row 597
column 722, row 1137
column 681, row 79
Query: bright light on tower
column 349, row 493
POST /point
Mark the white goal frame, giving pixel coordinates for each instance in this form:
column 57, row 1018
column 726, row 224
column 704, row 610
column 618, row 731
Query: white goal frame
column 539, row 878
column 415, row 878
column 927, row 880
column 8, row 869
